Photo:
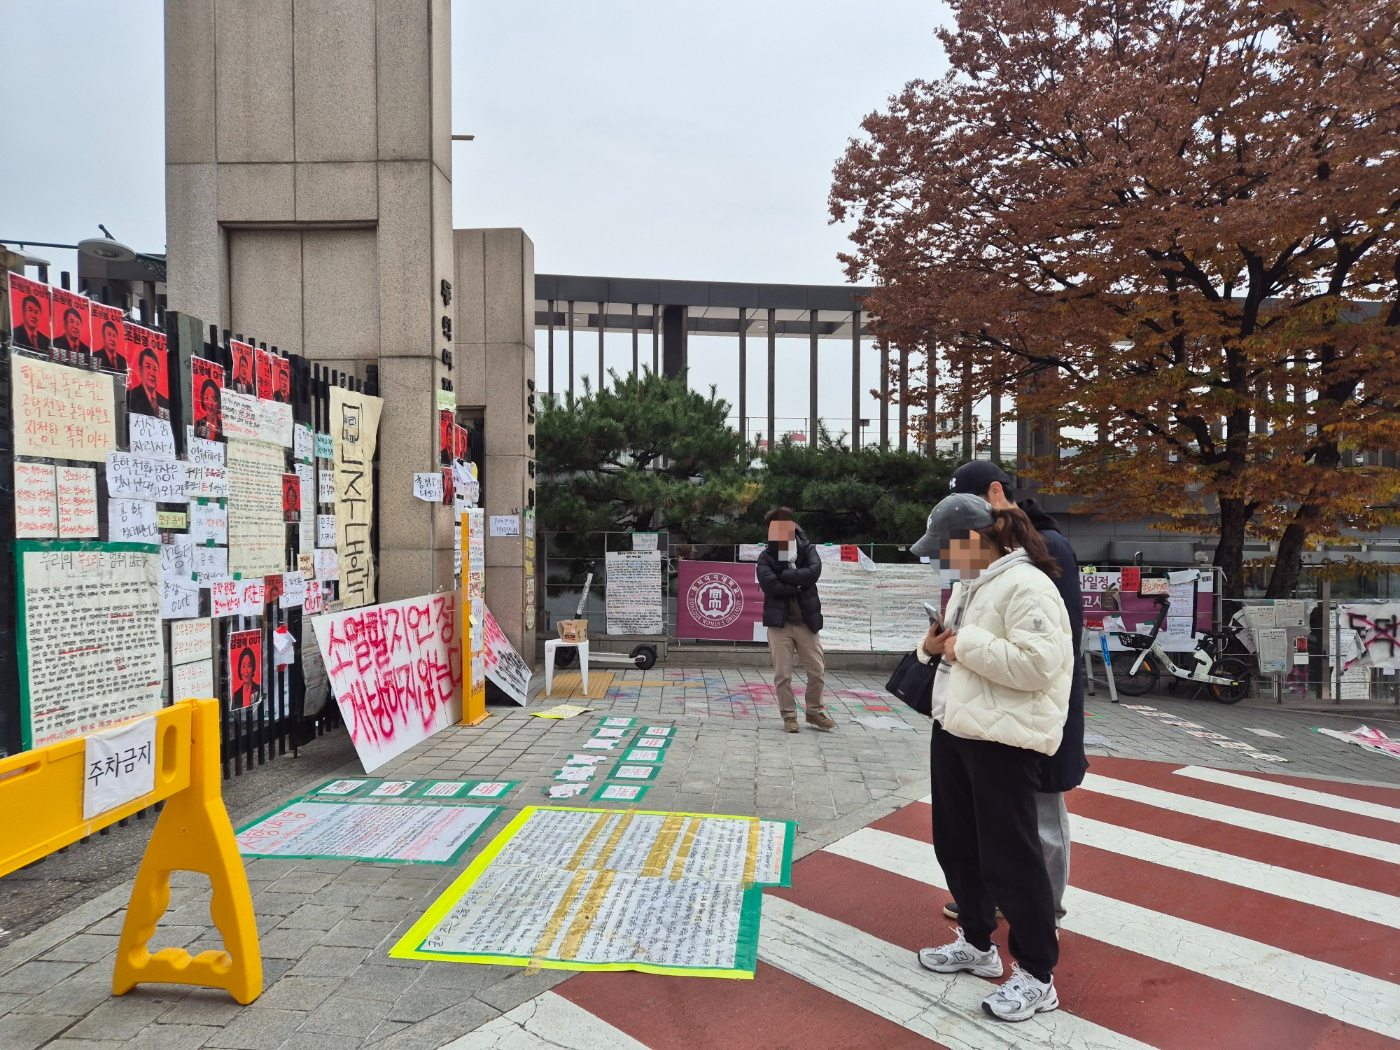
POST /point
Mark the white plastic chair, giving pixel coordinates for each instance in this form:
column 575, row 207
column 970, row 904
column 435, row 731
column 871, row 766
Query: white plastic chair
column 549, row 647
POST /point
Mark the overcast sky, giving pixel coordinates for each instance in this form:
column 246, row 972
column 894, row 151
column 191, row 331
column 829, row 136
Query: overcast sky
column 687, row 140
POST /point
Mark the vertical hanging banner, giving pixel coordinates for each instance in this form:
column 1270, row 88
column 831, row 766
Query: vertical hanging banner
column 355, row 428
column 395, row 670
column 635, row 600
column 61, row 413
column 90, row 647
column 474, row 616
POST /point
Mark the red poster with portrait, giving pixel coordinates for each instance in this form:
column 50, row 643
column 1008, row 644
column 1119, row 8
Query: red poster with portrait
column 148, row 382
column 272, row 588
column 108, row 340
column 72, row 328
column 242, row 378
column 206, row 394
column 291, row 497
column 281, row 380
column 245, row 668
column 29, row 314
column 445, row 435
column 264, row 365
column 461, row 442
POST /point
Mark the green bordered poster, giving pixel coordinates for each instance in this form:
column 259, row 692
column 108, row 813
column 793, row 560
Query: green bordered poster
column 616, row 723
column 394, row 830
column 88, row 636
column 643, row 740
column 639, row 773
column 611, row 889
column 620, row 793
column 644, row 754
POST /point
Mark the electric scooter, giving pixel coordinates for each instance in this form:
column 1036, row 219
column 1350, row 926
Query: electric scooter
column 642, row 656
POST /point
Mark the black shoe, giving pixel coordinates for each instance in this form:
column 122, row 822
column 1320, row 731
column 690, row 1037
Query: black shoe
column 951, row 910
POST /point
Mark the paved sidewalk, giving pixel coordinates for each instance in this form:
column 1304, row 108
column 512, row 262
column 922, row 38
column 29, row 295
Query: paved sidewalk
column 326, row 926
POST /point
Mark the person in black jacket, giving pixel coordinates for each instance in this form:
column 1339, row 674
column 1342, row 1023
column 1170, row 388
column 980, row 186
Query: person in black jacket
column 788, row 570
column 1064, row 770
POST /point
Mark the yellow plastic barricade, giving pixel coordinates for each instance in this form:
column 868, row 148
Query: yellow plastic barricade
column 41, row 791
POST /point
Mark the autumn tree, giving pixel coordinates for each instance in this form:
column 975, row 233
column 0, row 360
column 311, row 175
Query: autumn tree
column 644, row 454
column 1169, row 226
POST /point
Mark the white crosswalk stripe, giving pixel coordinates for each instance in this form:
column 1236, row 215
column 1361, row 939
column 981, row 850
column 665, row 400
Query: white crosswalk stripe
column 1292, row 792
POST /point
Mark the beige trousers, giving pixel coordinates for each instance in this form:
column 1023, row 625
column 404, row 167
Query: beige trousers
column 782, row 642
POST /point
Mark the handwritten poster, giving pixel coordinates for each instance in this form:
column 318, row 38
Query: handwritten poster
column 136, row 477
column 203, row 452
column 325, row 526
column 327, row 563
column 303, row 444
column 306, row 525
column 223, row 597
column 505, row 666
column 193, row 680
column 634, row 594
column 77, row 503
column 132, row 521
column 413, row 832
column 191, row 640
column 505, row 524
column 36, row 501
column 90, row 646
column 274, row 423
column 60, row 412
column 150, row 436
column 395, row 670
column 257, row 538
column 355, row 427
column 179, row 599
column 846, row 591
column 293, row 591
column 206, row 482
column 209, row 523
column 240, row 414
column 428, row 486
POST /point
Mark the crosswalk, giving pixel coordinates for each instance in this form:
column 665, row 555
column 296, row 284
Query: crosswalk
column 1207, row 909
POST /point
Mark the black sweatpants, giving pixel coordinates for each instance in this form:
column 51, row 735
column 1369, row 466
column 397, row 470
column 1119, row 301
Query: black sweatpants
column 987, row 841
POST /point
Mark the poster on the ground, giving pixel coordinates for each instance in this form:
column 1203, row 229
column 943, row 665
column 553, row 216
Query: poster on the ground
column 395, row 670
column 355, row 428
column 362, row 828
column 595, row 889
column 635, row 592
column 90, row 647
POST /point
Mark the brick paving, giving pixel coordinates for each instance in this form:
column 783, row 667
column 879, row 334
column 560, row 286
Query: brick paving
column 326, row 926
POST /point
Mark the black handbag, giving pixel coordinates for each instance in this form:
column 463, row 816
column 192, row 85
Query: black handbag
column 912, row 682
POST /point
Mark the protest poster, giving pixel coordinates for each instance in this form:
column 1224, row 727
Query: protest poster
column 274, row 424
column 179, row 599
column 250, row 597
column 109, row 350
column 136, row 477
column 203, row 452
column 327, row 563
column 242, row 376
column 36, row 501
column 355, row 428
column 206, row 482
column 132, row 521
column 223, row 597
column 505, row 666
column 446, row 437
column 293, row 592
column 192, row 680
column 77, row 502
column 1370, row 635
column 29, row 314
column 272, row 589
column 306, row 522
column 408, row 831
column 150, row 437
column 395, row 670
column 583, row 889
column 206, row 397
column 245, row 663
column 177, row 560
column 302, row 443
column 72, row 328
column 291, row 498
column 209, row 523
column 257, row 535
column 89, row 636
column 634, row 596
column 281, row 381
column 148, row 379
column 239, row 413
column 847, row 591
column 264, row 370
column 428, row 487
column 191, row 640
column 61, row 412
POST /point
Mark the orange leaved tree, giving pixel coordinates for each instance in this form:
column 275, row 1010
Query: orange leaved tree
column 1169, row 226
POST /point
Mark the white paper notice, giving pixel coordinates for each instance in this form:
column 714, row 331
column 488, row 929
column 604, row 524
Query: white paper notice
column 92, row 639
column 223, row 597
column 303, row 445
column 177, row 560
column 134, row 477
column 179, row 599
column 1273, row 650
column 210, row 563
column 151, row 437
column 505, row 524
column 202, row 452
column 634, row 592
column 293, row 591
column 77, row 503
column 208, row 523
column 325, row 527
column 306, row 522
column 36, row 501
column 325, row 488
column 132, row 521
column 240, row 413
column 274, row 423
column 750, row 551
column 121, row 766
column 191, row 640
column 206, row 482
column 644, row 541
column 327, row 564
column 257, row 535
column 428, row 487
column 192, row 680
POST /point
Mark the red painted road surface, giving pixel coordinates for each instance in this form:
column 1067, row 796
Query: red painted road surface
column 1207, row 910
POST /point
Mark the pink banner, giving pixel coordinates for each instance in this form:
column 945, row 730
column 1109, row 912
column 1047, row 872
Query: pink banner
column 719, row 601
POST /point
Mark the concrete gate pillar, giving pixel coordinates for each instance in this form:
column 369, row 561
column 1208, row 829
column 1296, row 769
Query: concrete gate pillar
column 309, row 205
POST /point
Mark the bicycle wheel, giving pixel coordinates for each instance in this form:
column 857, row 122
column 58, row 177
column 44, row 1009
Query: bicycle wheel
column 1238, row 671
column 1134, row 684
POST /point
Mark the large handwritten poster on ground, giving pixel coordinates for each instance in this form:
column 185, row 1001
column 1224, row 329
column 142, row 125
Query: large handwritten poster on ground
column 634, row 592
column 418, row 832
column 396, row 672
column 90, row 646
column 257, row 537
column 355, row 428
column 504, row 665
column 590, row 889
column 62, row 413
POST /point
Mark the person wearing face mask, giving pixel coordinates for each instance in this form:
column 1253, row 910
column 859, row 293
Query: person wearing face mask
column 788, row 570
column 999, row 703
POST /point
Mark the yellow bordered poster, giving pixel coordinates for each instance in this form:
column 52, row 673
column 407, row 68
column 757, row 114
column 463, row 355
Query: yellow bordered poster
column 610, row 889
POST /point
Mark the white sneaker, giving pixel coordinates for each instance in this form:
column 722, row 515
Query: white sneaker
column 960, row 956
column 1021, row 997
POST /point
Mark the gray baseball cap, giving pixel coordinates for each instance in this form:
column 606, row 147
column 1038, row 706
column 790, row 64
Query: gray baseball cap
column 960, row 512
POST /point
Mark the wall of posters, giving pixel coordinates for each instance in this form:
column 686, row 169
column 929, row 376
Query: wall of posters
column 395, row 671
column 61, row 412
column 257, row 535
column 355, row 428
column 90, row 646
column 635, row 598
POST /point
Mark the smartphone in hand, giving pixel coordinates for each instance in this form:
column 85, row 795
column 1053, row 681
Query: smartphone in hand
column 935, row 618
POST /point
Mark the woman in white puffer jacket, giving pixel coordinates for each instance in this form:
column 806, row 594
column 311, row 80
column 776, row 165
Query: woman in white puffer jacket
column 1000, row 698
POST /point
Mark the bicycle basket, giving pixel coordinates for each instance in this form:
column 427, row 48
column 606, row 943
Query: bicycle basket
column 1135, row 641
